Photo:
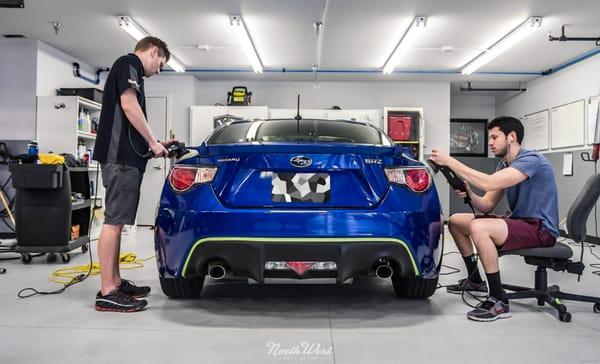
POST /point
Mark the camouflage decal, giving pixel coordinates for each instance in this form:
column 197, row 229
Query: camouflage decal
column 300, row 187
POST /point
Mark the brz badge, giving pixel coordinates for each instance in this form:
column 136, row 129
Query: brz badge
column 301, row 161
column 373, row 161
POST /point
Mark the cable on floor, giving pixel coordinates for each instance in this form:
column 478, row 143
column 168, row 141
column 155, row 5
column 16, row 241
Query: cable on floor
column 127, row 261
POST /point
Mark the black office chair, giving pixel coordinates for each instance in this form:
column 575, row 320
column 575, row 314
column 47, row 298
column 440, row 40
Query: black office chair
column 559, row 256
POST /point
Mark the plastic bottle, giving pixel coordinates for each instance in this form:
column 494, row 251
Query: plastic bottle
column 32, row 148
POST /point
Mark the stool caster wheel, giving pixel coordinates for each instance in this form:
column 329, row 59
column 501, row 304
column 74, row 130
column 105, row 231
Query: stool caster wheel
column 26, row 258
column 597, row 307
column 65, row 257
column 84, row 249
column 564, row 316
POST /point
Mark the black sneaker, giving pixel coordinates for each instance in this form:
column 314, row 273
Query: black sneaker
column 132, row 290
column 490, row 310
column 118, row 301
column 465, row 285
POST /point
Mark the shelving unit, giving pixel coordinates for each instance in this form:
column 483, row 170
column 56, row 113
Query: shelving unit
column 405, row 125
column 60, row 131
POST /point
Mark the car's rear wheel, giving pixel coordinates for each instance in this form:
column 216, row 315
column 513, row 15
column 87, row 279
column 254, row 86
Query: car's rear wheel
column 414, row 287
column 182, row 287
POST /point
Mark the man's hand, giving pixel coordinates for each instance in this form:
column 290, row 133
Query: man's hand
column 167, row 142
column 463, row 194
column 440, row 157
column 158, row 150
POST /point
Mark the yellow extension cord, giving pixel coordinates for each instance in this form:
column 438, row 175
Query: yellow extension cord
column 68, row 275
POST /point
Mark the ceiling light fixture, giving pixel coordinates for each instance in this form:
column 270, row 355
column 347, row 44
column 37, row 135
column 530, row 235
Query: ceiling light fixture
column 137, row 33
column 412, row 33
column 518, row 34
column 241, row 33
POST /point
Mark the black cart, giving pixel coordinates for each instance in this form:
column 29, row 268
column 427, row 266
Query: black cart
column 50, row 202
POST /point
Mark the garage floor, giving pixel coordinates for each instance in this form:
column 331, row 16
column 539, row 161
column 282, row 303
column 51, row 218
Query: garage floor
column 240, row 323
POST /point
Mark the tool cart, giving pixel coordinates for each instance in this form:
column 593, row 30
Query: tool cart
column 52, row 210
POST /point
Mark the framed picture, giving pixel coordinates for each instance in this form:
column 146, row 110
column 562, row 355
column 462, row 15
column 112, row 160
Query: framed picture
column 468, row 137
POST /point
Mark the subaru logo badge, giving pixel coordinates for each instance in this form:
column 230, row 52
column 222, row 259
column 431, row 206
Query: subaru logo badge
column 301, row 161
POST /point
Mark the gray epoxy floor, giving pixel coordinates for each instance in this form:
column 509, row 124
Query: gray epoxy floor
column 235, row 322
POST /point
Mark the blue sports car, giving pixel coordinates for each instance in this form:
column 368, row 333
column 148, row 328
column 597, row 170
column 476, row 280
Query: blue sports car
column 299, row 198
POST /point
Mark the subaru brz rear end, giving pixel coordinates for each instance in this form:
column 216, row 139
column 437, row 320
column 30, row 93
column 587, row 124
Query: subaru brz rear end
column 298, row 199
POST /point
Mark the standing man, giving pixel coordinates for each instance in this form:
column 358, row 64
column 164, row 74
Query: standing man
column 122, row 147
column 528, row 180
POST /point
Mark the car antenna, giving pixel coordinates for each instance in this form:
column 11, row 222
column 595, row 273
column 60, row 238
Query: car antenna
column 298, row 117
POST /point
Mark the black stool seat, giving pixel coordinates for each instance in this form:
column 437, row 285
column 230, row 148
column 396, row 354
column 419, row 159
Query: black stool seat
column 558, row 251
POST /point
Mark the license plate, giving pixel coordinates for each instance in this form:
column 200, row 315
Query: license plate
column 300, row 187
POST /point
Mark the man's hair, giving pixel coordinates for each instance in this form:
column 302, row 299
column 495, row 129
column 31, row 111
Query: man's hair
column 149, row 41
column 507, row 124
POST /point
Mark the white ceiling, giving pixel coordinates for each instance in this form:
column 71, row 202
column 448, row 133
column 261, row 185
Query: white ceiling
column 357, row 34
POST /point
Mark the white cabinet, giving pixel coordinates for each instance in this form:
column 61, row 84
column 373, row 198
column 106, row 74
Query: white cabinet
column 372, row 116
column 291, row 113
column 405, row 126
column 203, row 119
column 60, row 130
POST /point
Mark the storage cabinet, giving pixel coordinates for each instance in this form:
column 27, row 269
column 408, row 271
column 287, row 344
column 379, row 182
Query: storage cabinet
column 404, row 125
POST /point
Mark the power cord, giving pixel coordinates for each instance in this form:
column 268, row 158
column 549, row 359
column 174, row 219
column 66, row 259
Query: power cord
column 463, row 292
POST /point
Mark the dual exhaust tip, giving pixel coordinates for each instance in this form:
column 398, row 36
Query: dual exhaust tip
column 218, row 271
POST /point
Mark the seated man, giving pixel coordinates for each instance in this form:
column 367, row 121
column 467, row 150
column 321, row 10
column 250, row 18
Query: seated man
column 528, row 179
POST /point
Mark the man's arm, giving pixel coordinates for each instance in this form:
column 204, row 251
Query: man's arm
column 485, row 203
column 136, row 117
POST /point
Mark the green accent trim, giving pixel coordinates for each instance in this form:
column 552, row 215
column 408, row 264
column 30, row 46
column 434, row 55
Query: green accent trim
column 236, row 239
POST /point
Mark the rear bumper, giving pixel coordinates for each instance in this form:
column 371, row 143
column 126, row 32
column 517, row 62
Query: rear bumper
column 246, row 257
column 405, row 226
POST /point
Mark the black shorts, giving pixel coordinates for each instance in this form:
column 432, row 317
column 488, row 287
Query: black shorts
column 122, row 184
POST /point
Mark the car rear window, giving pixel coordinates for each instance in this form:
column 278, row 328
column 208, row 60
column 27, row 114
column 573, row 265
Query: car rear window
column 327, row 131
column 232, row 133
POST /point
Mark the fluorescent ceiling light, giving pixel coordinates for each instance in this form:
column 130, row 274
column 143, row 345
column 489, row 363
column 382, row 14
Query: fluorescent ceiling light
column 137, row 33
column 412, row 33
column 518, row 34
column 241, row 33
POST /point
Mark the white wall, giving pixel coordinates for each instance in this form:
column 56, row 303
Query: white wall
column 55, row 70
column 181, row 91
column 17, row 88
column 472, row 106
column 434, row 97
column 574, row 83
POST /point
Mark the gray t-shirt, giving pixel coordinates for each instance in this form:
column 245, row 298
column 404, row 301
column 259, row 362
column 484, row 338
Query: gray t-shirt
column 535, row 197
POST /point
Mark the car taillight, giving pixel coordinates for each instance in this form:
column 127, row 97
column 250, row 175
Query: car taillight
column 182, row 179
column 417, row 179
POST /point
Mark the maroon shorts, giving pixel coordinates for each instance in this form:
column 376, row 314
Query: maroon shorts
column 524, row 233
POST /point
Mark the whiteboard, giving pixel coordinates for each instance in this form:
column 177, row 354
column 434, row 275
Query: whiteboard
column 537, row 130
column 592, row 115
column 568, row 125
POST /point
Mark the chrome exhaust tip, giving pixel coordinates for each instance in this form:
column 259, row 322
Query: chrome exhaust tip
column 217, row 271
column 384, row 271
